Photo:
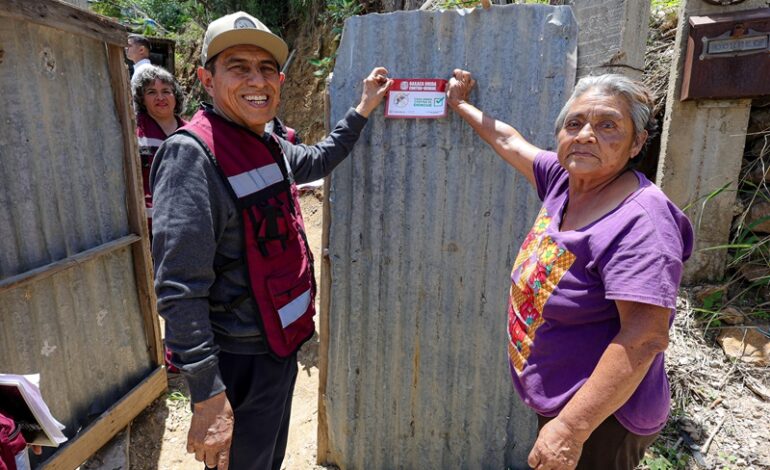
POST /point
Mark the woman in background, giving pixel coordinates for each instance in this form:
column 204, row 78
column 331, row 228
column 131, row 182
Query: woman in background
column 158, row 100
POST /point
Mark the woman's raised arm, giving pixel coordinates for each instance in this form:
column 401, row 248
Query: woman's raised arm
column 504, row 139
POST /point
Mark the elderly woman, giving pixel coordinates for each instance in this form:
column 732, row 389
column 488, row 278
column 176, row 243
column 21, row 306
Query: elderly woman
column 594, row 285
column 158, row 100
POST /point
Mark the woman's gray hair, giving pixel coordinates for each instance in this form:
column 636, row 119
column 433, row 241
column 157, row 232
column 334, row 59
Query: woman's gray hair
column 147, row 76
column 638, row 97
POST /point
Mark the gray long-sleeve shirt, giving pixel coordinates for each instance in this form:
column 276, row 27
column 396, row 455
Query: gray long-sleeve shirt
column 196, row 227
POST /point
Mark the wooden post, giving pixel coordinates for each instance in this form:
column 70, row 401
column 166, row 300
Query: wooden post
column 137, row 219
column 322, row 437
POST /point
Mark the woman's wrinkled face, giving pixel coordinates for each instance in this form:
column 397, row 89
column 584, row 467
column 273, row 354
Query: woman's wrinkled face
column 597, row 139
column 159, row 100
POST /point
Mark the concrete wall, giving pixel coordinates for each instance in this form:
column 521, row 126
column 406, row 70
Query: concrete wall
column 425, row 221
column 701, row 151
column 612, row 37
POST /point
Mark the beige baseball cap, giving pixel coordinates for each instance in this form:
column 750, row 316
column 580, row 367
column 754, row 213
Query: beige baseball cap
column 241, row 28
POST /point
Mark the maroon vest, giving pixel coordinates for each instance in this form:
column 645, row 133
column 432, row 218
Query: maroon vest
column 280, row 264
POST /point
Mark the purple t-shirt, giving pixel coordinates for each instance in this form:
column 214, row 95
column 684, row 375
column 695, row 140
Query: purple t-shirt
column 562, row 313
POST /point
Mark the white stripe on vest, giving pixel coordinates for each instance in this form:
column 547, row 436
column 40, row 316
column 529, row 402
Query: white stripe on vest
column 294, row 309
column 255, row 180
column 149, row 142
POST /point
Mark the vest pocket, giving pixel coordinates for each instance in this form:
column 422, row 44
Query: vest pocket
column 291, row 297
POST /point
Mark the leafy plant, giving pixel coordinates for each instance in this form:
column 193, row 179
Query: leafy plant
column 324, row 66
column 178, row 398
column 662, row 457
column 337, row 11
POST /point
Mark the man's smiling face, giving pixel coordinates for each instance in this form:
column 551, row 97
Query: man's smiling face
column 245, row 85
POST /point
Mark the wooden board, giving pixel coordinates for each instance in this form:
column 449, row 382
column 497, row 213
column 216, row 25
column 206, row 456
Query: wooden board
column 67, row 18
column 70, row 262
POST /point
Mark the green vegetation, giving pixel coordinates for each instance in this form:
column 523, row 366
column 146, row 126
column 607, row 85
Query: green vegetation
column 177, row 398
column 164, row 18
column 337, row 11
column 665, row 4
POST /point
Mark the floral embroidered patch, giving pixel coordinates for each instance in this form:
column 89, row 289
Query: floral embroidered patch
column 538, row 268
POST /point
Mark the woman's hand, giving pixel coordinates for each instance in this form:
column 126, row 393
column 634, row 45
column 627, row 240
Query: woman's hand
column 556, row 448
column 459, row 89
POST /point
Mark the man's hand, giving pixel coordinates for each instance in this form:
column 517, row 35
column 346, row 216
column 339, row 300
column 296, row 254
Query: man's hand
column 460, row 86
column 556, row 448
column 375, row 87
column 211, row 432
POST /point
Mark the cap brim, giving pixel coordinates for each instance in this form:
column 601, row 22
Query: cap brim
column 267, row 41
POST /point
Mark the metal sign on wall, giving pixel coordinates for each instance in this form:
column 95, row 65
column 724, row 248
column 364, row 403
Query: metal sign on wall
column 423, row 223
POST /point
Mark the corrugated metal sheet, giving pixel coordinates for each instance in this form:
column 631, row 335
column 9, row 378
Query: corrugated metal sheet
column 63, row 191
column 62, row 184
column 425, row 221
column 82, row 329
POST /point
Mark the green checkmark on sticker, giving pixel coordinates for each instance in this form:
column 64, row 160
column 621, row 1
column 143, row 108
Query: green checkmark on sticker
column 438, row 101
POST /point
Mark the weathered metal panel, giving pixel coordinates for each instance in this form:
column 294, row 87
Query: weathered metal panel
column 62, row 183
column 82, row 329
column 425, row 221
column 62, row 192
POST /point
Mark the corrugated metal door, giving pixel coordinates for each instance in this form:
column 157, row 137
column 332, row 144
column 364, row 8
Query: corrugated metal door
column 424, row 221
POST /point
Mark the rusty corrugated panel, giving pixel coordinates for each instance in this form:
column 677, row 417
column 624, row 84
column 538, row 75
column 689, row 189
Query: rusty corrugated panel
column 62, row 192
column 62, row 182
column 425, row 221
column 82, row 329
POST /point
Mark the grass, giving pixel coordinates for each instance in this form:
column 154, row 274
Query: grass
column 177, row 398
column 665, row 4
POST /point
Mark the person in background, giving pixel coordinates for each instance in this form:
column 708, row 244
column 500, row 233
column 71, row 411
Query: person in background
column 233, row 269
column 138, row 52
column 158, row 101
column 595, row 283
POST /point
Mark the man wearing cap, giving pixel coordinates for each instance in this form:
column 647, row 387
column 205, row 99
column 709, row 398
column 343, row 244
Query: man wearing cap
column 234, row 274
